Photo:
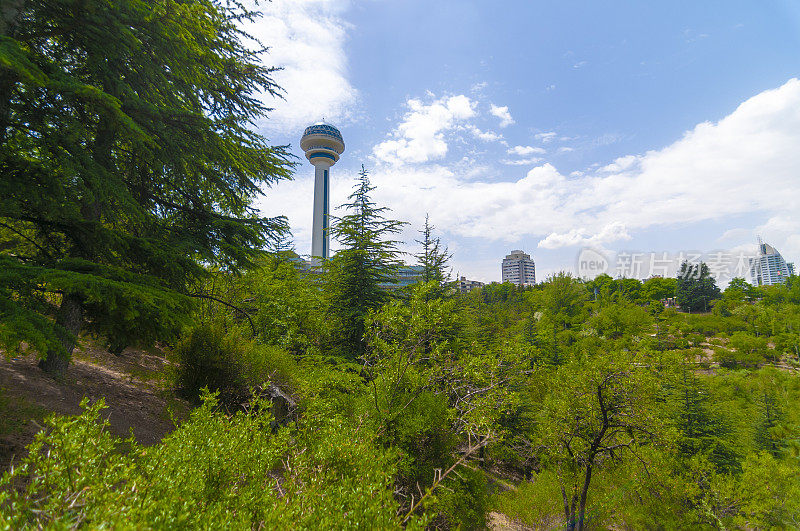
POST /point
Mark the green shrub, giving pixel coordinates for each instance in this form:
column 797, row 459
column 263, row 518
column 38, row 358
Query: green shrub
column 695, row 339
column 229, row 363
column 464, row 503
column 537, row 503
column 734, row 358
column 214, row 472
column 769, row 493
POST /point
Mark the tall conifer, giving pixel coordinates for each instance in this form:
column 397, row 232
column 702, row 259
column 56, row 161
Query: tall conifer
column 127, row 163
column 433, row 260
column 361, row 272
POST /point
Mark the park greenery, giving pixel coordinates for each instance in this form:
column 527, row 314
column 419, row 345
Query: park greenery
column 325, row 397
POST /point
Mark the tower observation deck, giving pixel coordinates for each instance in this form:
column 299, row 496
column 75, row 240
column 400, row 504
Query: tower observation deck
column 323, row 145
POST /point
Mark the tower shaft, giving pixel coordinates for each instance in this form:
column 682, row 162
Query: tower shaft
column 323, row 144
column 320, row 235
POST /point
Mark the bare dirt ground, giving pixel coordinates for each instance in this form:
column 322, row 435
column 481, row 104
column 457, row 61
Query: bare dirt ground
column 132, row 385
column 500, row 522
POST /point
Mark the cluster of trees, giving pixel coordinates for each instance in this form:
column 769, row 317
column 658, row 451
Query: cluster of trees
column 129, row 168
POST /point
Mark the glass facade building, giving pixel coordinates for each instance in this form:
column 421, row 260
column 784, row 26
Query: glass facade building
column 769, row 268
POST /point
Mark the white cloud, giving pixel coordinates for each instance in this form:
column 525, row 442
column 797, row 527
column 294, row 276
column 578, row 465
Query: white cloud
column 746, row 163
column 486, row 136
column 420, row 137
column 503, row 114
column 307, row 39
column 526, row 150
column 628, row 162
column 545, row 137
column 612, row 232
column 521, row 162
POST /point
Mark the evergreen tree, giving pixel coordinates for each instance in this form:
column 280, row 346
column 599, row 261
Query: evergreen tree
column 433, row 261
column 128, row 163
column 695, row 288
column 702, row 430
column 769, row 425
column 360, row 273
column 562, row 303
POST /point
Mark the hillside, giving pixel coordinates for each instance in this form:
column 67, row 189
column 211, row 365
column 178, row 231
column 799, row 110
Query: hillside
column 133, row 385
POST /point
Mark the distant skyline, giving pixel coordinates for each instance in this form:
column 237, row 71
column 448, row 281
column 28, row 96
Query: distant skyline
column 547, row 127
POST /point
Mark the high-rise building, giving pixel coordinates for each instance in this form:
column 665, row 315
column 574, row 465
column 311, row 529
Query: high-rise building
column 768, row 267
column 519, row 269
column 322, row 144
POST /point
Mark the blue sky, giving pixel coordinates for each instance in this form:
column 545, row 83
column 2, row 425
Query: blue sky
column 549, row 126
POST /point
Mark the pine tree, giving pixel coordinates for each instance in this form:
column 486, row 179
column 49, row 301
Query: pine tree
column 702, row 429
column 360, row 272
column 128, row 164
column 769, row 425
column 696, row 287
column 433, row 259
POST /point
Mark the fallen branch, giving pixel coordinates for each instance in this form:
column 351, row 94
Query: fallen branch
column 203, row 296
column 439, row 476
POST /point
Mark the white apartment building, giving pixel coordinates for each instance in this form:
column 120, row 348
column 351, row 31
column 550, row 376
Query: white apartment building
column 519, row 269
column 465, row 285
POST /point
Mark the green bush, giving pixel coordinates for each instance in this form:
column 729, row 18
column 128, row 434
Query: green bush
column 214, row 472
column 229, row 363
column 734, row 358
column 537, row 503
column 749, row 344
column 464, row 503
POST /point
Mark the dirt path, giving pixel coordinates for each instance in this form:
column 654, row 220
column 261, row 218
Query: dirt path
column 134, row 393
column 500, row 522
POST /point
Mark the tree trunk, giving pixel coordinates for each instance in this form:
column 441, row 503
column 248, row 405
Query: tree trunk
column 584, row 493
column 570, row 504
column 69, row 321
column 566, row 506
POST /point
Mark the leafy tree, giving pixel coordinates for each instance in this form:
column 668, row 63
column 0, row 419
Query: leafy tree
column 128, row 164
column 749, row 350
column 771, row 418
column 598, row 410
column 602, row 288
column 622, row 319
column 769, row 493
column 695, row 288
column 360, row 272
column 605, row 289
column 435, row 400
column 740, row 290
column 562, row 302
column 629, row 289
column 433, row 261
column 657, row 289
